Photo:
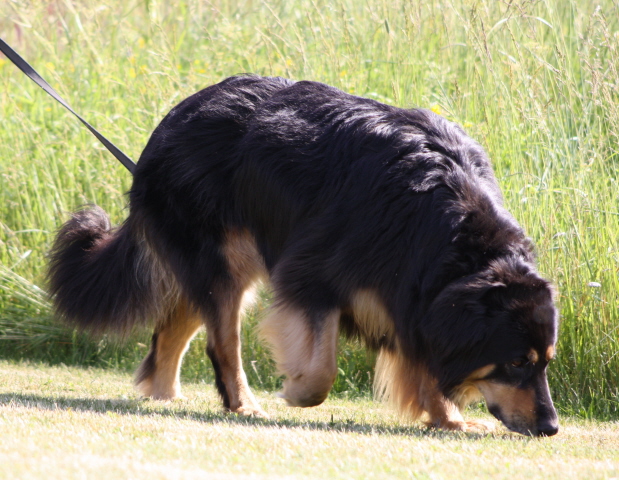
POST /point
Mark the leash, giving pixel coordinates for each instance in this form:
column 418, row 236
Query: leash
column 20, row 63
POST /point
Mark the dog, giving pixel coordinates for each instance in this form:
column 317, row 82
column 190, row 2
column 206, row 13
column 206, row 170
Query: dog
column 379, row 222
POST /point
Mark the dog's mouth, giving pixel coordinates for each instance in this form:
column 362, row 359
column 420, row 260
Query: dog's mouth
column 543, row 427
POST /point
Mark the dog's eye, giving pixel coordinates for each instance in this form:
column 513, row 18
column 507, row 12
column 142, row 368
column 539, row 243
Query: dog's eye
column 517, row 363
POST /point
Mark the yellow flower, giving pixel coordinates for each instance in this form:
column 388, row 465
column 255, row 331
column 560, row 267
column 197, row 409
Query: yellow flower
column 436, row 108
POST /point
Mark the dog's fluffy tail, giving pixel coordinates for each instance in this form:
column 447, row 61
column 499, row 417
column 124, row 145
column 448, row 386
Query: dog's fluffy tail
column 103, row 279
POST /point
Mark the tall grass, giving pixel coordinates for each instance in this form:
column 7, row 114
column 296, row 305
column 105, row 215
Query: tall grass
column 536, row 82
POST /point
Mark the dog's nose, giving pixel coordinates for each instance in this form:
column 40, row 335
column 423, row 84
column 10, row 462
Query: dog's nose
column 548, row 429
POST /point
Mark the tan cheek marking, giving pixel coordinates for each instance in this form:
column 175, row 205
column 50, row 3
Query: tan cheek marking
column 550, row 353
column 524, row 401
column 533, row 356
column 514, row 402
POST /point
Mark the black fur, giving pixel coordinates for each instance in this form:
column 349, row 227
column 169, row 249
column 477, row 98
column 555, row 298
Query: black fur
column 219, row 383
column 149, row 364
column 341, row 193
column 96, row 277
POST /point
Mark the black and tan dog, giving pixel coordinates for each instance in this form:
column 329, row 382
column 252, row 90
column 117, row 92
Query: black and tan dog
column 364, row 218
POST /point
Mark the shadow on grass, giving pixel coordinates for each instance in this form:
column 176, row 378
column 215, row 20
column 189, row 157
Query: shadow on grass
column 149, row 408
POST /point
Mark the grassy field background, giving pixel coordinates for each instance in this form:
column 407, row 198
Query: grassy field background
column 536, row 82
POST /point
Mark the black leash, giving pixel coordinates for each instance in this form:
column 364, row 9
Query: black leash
column 20, row 63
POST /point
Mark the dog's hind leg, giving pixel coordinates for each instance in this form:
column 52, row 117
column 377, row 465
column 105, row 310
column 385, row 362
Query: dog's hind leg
column 305, row 349
column 158, row 376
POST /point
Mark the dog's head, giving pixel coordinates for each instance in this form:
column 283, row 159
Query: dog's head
column 495, row 333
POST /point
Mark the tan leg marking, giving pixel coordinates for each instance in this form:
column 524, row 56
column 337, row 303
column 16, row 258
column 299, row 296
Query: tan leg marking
column 371, row 316
column 173, row 338
column 246, row 268
column 468, row 391
column 415, row 393
column 225, row 345
column 244, row 261
column 306, row 356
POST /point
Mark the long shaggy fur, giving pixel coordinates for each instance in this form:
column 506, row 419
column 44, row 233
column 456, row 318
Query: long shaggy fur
column 390, row 219
column 103, row 279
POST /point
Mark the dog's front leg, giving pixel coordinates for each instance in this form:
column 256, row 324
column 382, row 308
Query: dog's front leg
column 305, row 349
column 445, row 414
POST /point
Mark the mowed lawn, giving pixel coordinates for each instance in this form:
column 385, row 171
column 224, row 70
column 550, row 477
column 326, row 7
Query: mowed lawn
column 60, row 422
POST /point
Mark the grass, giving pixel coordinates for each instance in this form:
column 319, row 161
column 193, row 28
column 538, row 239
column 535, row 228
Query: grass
column 88, row 423
column 535, row 81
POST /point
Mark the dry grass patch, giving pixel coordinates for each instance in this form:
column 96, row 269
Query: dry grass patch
column 60, row 422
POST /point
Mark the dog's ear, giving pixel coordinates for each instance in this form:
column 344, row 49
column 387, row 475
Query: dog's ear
column 459, row 317
column 530, row 302
column 463, row 304
column 468, row 327
column 532, row 291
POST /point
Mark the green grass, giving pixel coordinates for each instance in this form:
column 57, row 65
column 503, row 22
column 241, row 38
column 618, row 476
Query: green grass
column 66, row 423
column 536, row 82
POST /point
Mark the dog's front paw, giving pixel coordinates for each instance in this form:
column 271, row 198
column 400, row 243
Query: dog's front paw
column 480, row 426
column 251, row 412
column 471, row 426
